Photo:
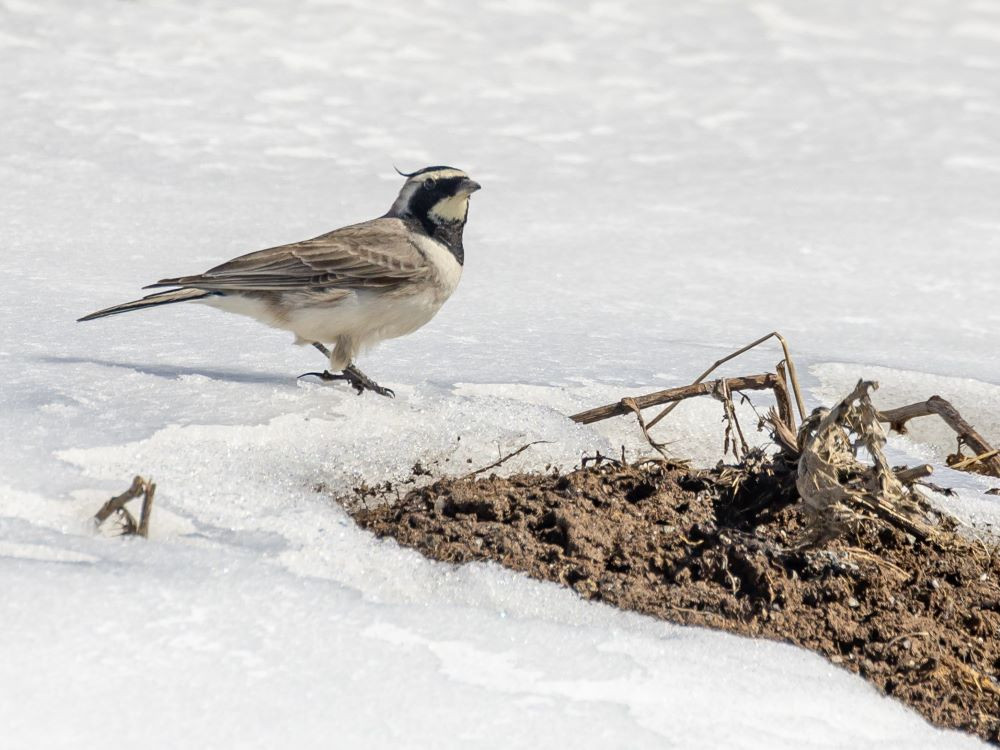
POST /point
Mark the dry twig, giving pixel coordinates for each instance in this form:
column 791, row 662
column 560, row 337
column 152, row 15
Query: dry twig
column 660, row 448
column 504, row 459
column 986, row 459
column 723, row 394
column 791, row 371
column 760, row 382
column 116, row 506
column 913, row 473
column 782, row 421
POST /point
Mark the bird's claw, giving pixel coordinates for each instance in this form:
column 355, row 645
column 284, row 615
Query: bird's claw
column 376, row 388
column 357, row 380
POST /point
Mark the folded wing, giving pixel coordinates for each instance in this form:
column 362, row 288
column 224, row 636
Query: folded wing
column 374, row 255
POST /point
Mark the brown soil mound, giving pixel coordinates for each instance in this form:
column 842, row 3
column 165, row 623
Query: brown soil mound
column 724, row 549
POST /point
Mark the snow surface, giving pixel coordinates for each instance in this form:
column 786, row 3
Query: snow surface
column 664, row 182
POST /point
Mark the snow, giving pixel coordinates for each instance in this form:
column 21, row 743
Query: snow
column 663, row 182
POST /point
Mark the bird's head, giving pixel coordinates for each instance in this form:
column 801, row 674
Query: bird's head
column 437, row 197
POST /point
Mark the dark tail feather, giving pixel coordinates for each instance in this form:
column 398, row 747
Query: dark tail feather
column 161, row 298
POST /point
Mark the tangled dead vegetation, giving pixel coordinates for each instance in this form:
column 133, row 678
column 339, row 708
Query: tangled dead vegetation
column 784, row 380
column 836, row 488
column 817, row 541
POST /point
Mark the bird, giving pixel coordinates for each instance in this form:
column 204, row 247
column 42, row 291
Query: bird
column 351, row 287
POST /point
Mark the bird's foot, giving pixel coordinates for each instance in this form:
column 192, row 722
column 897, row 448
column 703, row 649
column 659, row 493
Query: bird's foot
column 362, row 382
column 357, row 379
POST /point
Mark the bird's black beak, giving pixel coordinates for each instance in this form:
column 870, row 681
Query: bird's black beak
column 468, row 186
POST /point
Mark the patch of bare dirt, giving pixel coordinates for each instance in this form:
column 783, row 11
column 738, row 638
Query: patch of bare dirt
column 726, row 549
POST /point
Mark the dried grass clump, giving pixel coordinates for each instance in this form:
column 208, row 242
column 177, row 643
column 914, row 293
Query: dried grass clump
column 836, row 488
column 823, row 452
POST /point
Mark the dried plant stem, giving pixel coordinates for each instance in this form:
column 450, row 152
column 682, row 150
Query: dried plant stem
column 987, row 455
column 634, row 407
column 503, row 459
column 147, row 510
column 782, row 398
column 746, row 383
column 912, row 474
column 116, row 504
column 783, row 435
column 729, row 416
column 965, row 463
column 791, row 371
column 866, row 555
column 782, row 420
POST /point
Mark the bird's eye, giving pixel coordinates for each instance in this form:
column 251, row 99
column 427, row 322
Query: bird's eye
column 429, row 183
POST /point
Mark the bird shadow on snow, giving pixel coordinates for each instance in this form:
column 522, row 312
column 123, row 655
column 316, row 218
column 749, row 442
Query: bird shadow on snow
column 175, row 372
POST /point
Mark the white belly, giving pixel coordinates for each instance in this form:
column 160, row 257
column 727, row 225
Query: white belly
column 366, row 317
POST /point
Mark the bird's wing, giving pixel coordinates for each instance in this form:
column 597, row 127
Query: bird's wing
column 377, row 254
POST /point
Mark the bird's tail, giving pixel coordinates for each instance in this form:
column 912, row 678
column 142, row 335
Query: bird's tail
column 152, row 300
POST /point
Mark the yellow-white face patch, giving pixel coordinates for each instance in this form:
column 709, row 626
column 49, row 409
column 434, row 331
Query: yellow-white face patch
column 451, row 209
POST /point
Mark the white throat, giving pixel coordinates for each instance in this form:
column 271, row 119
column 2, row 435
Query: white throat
column 450, row 210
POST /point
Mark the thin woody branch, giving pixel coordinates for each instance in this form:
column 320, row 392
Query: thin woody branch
column 987, row 455
column 116, row 505
column 764, row 381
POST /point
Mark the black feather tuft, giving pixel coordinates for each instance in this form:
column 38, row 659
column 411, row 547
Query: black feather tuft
column 420, row 171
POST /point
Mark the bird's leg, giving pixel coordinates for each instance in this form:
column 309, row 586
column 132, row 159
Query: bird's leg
column 326, row 374
column 352, row 375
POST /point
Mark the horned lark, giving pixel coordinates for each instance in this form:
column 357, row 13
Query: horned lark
column 351, row 287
